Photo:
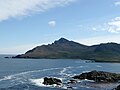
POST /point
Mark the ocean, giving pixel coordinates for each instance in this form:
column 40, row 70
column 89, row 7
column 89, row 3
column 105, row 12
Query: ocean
column 28, row 74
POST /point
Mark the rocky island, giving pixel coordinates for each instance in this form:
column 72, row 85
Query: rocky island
column 65, row 49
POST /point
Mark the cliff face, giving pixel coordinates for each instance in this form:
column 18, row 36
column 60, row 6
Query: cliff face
column 66, row 49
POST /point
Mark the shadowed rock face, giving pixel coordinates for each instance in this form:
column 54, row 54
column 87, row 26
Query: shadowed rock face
column 99, row 76
column 51, row 81
column 66, row 49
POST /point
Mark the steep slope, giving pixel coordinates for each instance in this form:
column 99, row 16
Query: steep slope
column 66, row 49
column 62, row 48
column 106, row 52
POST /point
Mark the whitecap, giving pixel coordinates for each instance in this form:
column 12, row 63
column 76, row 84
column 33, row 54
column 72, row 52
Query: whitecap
column 6, row 78
column 65, row 71
column 38, row 82
column 85, row 71
column 98, row 66
column 26, row 77
column 22, row 74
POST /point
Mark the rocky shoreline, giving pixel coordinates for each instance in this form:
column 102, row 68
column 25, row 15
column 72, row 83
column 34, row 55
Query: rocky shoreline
column 97, row 76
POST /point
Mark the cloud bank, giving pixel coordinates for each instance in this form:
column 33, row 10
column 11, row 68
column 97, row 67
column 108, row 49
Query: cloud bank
column 100, row 39
column 114, row 25
column 111, row 26
column 17, row 8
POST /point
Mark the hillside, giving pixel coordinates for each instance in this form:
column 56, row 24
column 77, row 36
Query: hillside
column 65, row 49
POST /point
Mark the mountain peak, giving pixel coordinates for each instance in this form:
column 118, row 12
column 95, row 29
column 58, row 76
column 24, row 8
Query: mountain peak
column 61, row 40
column 64, row 48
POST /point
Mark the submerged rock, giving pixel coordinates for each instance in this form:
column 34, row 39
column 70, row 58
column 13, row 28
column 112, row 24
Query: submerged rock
column 71, row 82
column 117, row 88
column 99, row 76
column 51, row 81
column 7, row 57
column 69, row 88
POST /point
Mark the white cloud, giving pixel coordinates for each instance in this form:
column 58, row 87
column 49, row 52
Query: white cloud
column 112, row 26
column 17, row 8
column 100, row 39
column 117, row 3
column 52, row 23
column 94, row 28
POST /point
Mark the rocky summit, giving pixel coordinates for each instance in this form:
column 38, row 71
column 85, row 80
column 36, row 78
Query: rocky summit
column 65, row 49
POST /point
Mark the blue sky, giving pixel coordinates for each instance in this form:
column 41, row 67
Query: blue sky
column 25, row 24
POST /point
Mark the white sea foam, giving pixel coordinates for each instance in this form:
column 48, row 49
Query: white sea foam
column 89, row 80
column 25, row 73
column 98, row 66
column 85, row 71
column 62, row 72
column 28, row 74
column 81, row 67
column 38, row 82
column 65, row 72
column 6, row 78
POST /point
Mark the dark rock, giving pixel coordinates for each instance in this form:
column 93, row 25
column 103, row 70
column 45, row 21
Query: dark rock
column 72, row 82
column 7, row 57
column 51, row 81
column 69, row 88
column 99, row 76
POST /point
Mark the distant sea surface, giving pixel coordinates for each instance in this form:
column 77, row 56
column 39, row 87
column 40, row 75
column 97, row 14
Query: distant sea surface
column 28, row 74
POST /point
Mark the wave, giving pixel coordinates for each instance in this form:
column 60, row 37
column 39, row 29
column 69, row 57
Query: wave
column 35, row 77
column 65, row 71
column 98, row 66
column 39, row 82
column 25, row 77
column 25, row 73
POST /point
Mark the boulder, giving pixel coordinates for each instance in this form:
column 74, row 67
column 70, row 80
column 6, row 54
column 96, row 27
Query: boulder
column 51, row 81
column 99, row 76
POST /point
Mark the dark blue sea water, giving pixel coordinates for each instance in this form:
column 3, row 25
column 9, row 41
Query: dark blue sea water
column 28, row 74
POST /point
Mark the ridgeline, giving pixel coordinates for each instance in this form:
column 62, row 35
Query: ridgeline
column 65, row 49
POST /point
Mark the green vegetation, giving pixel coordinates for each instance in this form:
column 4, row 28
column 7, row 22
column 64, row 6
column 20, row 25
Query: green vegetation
column 65, row 49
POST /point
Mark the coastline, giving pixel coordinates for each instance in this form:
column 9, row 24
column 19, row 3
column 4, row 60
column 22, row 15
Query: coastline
column 87, row 60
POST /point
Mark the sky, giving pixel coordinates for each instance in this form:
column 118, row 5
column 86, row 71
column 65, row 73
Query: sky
column 25, row 24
